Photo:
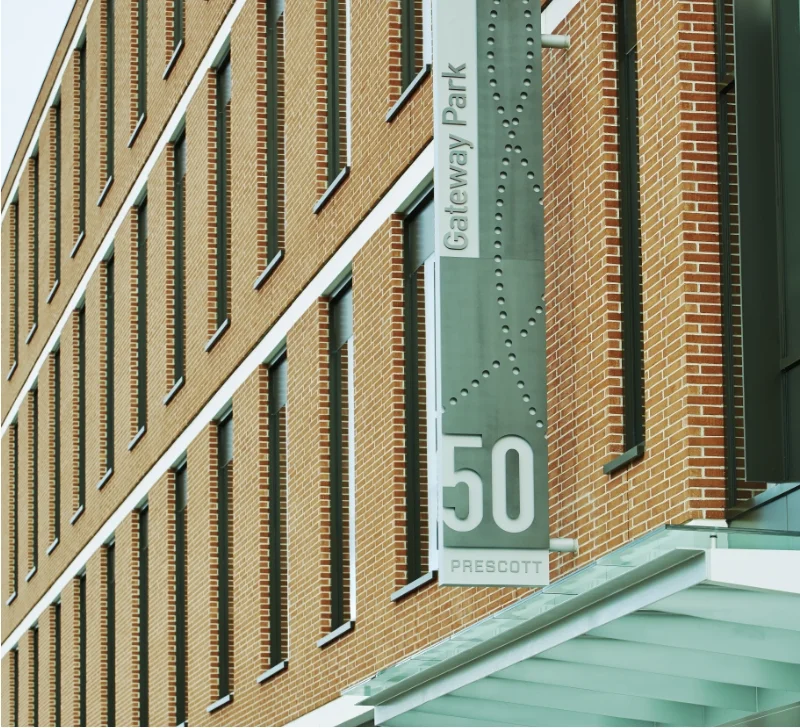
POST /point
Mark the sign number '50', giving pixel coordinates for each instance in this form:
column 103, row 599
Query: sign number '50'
column 453, row 477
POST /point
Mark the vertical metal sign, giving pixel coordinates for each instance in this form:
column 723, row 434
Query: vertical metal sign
column 490, row 292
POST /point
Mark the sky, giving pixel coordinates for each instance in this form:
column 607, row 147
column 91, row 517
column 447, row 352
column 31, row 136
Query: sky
column 29, row 33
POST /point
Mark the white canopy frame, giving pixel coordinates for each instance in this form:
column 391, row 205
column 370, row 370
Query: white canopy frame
column 686, row 626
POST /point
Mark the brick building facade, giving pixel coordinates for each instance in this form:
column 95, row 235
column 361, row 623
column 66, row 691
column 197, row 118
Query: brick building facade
column 204, row 504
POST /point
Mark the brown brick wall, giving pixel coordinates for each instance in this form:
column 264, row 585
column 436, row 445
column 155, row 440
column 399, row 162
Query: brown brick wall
column 679, row 478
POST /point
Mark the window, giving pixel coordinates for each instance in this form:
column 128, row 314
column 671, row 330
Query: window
column 111, row 634
column 144, row 621
column 141, row 63
column 275, row 122
column 57, row 660
column 55, row 260
column 224, row 487
column 223, row 78
column 278, row 577
column 81, row 151
column 175, row 33
column 109, row 45
column 109, row 367
column 178, row 267
column 81, row 397
column 13, row 508
column 35, row 676
column 15, row 685
column 630, row 238
column 336, row 39
column 14, row 276
column 140, row 319
column 82, row 649
column 181, row 634
column 342, row 494
column 419, row 404
column 758, row 114
column 55, row 433
column 411, row 38
column 33, row 465
column 33, row 271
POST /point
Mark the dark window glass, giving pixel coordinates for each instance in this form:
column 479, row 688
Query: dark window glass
column 144, row 620
column 141, row 318
column 34, row 395
column 630, row 233
column 14, row 565
column 181, row 644
column 15, row 684
column 277, row 511
column 225, row 481
column 110, row 97
column 81, row 406
column 35, row 706
column 275, row 120
column 177, row 20
column 179, row 287
column 82, row 139
column 141, row 58
column 419, row 244
column 223, row 189
column 35, row 242
column 15, row 284
column 111, row 626
column 82, row 649
column 341, row 388
column 336, row 86
column 57, row 443
column 57, row 201
column 57, row 666
column 109, row 363
column 411, row 35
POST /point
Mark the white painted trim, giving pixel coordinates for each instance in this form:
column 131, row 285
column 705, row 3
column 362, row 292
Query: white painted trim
column 395, row 199
column 554, row 14
column 219, row 42
column 427, row 32
column 777, row 571
column 77, row 37
column 342, row 711
column 659, row 586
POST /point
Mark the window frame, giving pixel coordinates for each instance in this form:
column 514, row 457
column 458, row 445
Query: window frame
column 110, row 332
column 81, row 414
column 278, row 442
column 339, row 579
column 224, row 432
column 111, row 633
column 179, row 264
column 34, row 251
column 34, row 508
column 82, row 639
column 56, row 142
column 56, row 413
column 81, row 148
column 224, row 96
column 144, row 615
column 181, row 602
column 416, row 258
column 110, row 96
column 630, row 240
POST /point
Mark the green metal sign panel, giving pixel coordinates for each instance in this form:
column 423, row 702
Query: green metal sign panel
column 490, row 292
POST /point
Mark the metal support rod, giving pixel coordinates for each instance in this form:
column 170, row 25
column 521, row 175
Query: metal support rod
column 564, row 545
column 555, row 41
